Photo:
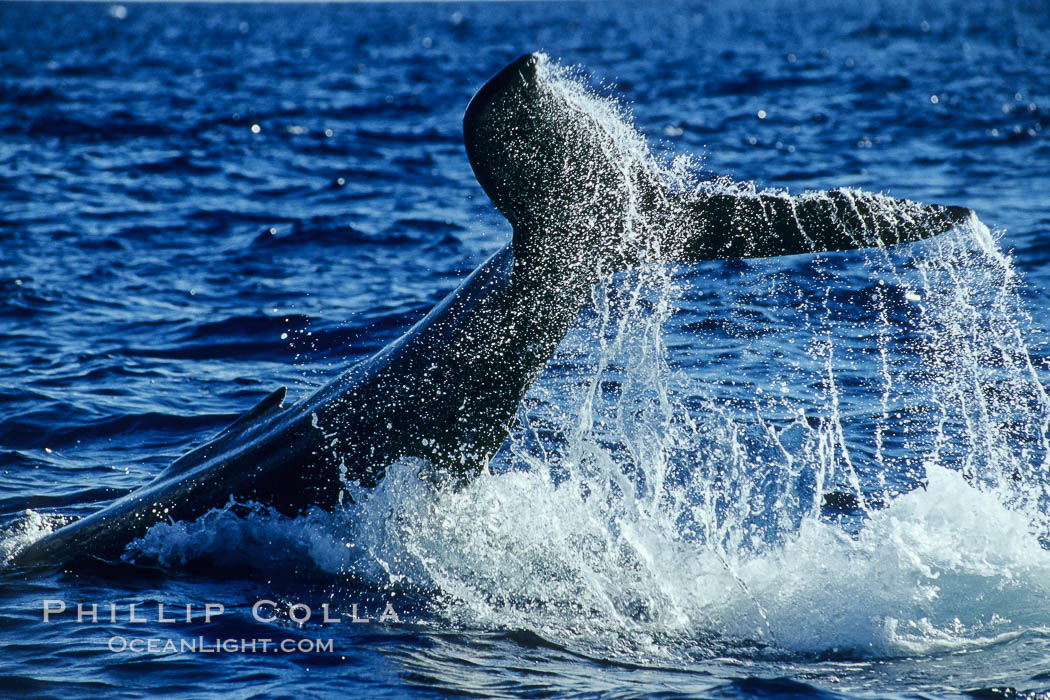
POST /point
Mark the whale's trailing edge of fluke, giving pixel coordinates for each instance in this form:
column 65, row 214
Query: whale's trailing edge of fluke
column 584, row 199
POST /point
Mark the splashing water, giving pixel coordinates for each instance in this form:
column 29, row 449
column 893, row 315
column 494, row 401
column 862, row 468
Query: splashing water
column 842, row 453
column 648, row 507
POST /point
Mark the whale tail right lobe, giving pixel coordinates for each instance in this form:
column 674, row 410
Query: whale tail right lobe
column 582, row 193
column 719, row 226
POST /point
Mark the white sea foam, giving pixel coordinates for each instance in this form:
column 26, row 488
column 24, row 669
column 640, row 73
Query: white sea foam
column 260, row 539
column 26, row 530
column 941, row 568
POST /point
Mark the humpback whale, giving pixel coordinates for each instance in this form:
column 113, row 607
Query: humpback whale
column 448, row 391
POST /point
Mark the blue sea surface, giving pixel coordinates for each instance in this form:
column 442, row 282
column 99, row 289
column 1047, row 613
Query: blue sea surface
column 816, row 476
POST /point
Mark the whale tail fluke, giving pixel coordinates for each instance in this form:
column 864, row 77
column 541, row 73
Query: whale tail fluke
column 718, row 226
column 574, row 180
column 579, row 187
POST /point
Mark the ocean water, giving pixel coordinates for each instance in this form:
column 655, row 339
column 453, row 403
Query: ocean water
column 814, row 476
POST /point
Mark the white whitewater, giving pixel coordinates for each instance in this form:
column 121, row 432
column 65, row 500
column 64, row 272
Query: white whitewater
column 651, row 510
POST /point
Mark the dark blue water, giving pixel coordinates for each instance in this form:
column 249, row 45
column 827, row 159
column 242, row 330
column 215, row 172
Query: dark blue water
column 817, row 476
